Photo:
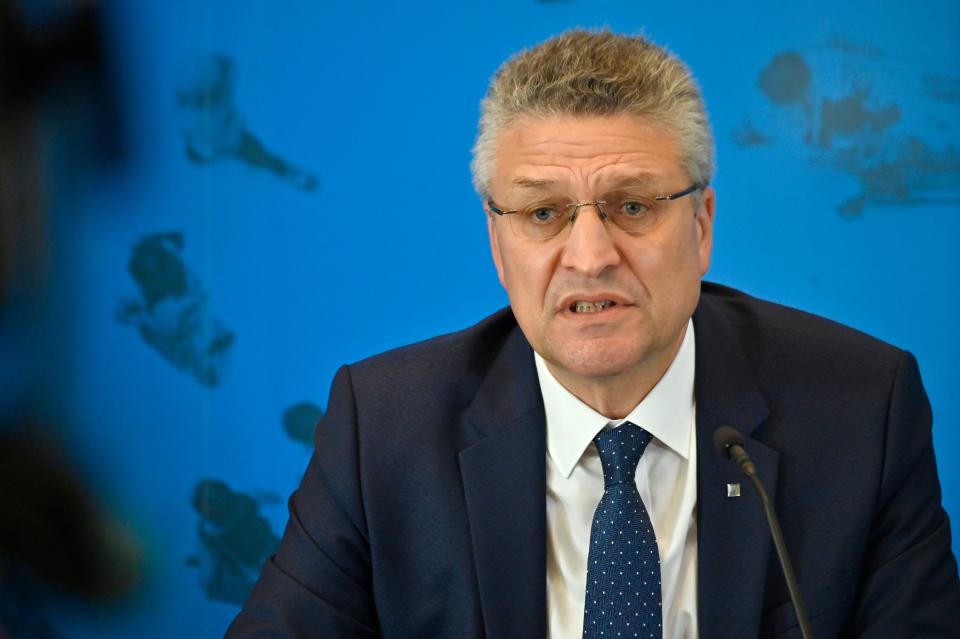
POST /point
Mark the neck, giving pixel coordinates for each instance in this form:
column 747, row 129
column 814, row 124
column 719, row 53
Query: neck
column 614, row 396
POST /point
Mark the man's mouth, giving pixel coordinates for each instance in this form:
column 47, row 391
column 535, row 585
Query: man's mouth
column 591, row 307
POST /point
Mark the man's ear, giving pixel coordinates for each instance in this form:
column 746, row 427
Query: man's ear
column 705, row 228
column 495, row 245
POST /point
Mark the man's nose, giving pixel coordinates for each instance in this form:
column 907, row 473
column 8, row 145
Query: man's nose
column 589, row 248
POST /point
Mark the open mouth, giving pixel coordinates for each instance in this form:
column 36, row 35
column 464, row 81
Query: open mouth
column 591, row 307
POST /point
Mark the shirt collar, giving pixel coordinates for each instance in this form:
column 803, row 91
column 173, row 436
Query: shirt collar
column 666, row 412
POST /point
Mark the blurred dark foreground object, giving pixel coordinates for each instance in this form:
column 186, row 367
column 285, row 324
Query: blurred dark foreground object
column 59, row 104
column 55, row 68
column 54, row 539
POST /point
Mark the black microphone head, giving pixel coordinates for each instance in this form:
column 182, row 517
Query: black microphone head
column 724, row 438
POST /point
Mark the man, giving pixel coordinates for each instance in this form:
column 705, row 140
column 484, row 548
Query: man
column 550, row 470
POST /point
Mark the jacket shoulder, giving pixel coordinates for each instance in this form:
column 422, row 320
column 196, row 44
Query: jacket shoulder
column 799, row 354
column 764, row 326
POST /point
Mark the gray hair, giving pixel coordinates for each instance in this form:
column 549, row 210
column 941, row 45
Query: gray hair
column 596, row 73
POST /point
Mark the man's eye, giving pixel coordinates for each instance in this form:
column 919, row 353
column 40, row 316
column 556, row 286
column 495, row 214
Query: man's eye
column 634, row 209
column 543, row 214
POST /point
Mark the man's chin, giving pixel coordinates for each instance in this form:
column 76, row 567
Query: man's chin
column 596, row 361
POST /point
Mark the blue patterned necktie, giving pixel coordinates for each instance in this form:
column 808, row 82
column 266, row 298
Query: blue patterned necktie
column 623, row 565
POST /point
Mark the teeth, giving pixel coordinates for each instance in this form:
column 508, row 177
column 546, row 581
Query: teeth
column 591, row 307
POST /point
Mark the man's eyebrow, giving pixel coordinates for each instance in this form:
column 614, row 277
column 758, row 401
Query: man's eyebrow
column 532, row 183
column 629, row 179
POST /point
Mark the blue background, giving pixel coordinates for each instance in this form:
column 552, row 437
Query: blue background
column 377, row 102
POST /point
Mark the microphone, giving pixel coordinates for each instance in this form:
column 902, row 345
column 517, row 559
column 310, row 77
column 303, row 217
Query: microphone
column 729, row 443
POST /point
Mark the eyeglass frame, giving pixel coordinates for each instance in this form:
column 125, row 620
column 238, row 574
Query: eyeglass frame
column 599, row 204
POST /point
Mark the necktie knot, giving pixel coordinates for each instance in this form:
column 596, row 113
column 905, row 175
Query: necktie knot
column 620, row 450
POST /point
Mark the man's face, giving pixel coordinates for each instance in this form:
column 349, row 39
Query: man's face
column 653, row 277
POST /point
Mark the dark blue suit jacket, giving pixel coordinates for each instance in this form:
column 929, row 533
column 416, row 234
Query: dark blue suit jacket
column 423, row 510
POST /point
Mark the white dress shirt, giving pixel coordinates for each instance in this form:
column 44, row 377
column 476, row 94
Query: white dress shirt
column 666, row 480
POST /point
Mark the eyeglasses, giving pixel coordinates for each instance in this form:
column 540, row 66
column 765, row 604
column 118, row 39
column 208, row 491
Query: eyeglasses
column 628, row 209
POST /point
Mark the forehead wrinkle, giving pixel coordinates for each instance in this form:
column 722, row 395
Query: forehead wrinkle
column 645, row 169
column 535, row 142
column 581, row 149
column 613, row 175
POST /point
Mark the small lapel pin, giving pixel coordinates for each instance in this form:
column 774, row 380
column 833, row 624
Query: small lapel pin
column 733, row 490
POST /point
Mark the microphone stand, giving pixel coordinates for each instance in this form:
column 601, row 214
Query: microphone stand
column 730, row 444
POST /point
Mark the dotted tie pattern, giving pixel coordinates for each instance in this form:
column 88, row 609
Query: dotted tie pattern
column 623, row 565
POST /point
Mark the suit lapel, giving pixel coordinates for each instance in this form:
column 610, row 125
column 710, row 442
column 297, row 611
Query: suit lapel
column 504, row 481
column 733, row 539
